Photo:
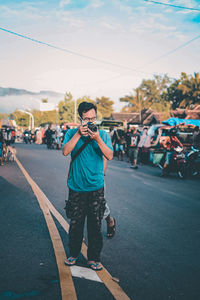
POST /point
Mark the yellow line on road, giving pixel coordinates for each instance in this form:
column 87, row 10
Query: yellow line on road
column 66, row 282
column 104, row 275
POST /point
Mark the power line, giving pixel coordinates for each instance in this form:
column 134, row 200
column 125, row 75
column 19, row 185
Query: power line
column 172, row 5
column 172, row 51
column 71, row 52
column 96, row 59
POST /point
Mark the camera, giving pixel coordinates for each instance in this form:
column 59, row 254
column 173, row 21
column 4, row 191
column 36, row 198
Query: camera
column 92, row 126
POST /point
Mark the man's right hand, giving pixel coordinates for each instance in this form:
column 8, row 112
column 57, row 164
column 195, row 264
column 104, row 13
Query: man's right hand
column 83, row 130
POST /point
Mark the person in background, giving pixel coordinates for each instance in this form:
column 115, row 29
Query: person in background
column 143, row 147
column 169, row 144
column 111, row 222
column 1, row 148
column 48, row 134
column 196, row 138
column 133, row 142
column 119, row 142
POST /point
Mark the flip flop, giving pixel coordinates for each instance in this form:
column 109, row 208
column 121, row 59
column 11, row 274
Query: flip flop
column 111, row 229
column 70, row 261
column 96, row 266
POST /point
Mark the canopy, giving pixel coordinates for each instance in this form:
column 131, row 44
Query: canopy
column 177, row 121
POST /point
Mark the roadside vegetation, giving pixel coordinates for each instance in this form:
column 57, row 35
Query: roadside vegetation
column 161, row 94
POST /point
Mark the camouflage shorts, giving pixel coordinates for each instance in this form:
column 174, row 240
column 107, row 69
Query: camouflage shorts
column 84, row 203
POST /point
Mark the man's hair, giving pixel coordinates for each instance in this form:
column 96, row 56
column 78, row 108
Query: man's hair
column 196, row 128
column 84, row 107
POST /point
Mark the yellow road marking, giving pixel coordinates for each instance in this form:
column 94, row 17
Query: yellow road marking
column 66, row 282
column 104, row 275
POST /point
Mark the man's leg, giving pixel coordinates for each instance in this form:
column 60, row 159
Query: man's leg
column 96, row 208
column 75, row 210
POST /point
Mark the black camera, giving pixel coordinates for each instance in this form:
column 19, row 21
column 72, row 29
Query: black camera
column 92, row 126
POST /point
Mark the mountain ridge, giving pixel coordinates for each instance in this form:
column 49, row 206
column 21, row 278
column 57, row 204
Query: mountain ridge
column 17, row 92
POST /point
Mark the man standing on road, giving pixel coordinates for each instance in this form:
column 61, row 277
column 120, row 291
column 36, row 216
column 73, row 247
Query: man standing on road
column 48, row 134
column 86, row 185
column 132, row 142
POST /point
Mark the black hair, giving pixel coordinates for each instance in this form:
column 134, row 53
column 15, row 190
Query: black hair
column 85, row 106
column 196, row 128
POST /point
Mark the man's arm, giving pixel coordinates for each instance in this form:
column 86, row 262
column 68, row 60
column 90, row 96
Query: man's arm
column 107, row 152
column 104, row 165
column 69, row 146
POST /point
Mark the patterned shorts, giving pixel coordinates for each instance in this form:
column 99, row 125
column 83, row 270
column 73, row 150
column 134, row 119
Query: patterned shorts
column 84, row 203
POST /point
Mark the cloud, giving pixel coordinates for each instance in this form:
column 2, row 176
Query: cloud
column 64, row 3
column 96, row 4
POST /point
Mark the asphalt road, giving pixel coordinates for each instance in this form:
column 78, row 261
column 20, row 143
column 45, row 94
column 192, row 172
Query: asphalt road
column 155, row 252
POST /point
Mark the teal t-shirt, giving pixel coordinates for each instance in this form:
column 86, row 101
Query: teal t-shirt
column 86, row 172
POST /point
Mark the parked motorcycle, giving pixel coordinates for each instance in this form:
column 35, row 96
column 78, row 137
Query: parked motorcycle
column 177, row 163
column 193, row 162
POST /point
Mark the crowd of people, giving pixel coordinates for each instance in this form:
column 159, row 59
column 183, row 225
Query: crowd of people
column 7, row 138
column 136, row 145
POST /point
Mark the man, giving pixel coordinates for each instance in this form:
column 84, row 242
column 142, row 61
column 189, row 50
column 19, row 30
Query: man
column 169, row 144
column 119, row 142
column 196, row 138
column 48, row 134
column 86, row 186
column 132, row 144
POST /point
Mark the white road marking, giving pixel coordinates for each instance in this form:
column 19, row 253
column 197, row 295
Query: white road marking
column 85, row 273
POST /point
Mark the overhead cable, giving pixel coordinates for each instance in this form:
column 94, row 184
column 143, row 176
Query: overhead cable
column 172, row 5
column 172, row 51
column 70, row 51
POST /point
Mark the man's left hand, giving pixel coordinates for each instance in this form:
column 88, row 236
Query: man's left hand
column 94, row 135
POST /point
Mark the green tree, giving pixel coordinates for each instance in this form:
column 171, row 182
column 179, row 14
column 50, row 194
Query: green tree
column 21, row 119
column 104, row 106
column 67, row 107
column 184, row 92
column 148, row 94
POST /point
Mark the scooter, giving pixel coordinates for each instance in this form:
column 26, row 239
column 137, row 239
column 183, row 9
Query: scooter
column 193, row 162
column 177, row 164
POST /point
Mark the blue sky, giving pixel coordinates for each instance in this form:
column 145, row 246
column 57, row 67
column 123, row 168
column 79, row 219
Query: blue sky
column 130, row 33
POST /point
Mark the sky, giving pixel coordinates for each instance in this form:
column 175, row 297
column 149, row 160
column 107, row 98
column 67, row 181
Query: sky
column 96, row 47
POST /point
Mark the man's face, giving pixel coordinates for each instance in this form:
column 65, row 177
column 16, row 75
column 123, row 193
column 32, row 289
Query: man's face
column 89, row 116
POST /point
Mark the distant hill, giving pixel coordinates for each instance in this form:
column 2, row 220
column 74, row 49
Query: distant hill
column 17, row 92
column 12, row 99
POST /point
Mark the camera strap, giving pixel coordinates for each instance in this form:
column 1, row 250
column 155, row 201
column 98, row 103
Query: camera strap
column 78, row 152
column 81, row 149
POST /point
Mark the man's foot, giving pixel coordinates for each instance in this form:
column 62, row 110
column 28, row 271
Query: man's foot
column 70, row 261
column 134, row 167
column 111, row 227
column 96, row 266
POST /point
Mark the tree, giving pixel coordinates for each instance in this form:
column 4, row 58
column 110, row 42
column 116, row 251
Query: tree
column 148, row 94
column 184, row 92
column 21, row 119
column 67, row 107
column 104, row 106
column 190, row 88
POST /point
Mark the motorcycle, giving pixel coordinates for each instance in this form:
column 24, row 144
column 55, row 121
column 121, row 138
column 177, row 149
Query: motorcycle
column 193, row 162
column 27, row 137
column 177, row 163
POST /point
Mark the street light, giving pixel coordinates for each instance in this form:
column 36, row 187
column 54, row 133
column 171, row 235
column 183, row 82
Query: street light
column 31, row 118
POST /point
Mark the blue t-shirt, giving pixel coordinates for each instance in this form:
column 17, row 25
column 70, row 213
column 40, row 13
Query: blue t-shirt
column 86, row 172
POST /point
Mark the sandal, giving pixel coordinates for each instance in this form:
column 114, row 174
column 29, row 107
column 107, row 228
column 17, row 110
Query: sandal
column 70, row 261
column 96, row 266
column 111, row 229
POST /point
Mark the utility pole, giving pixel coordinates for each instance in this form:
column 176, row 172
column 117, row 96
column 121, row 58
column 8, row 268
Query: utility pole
column 74, row 110
column 140, row 107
